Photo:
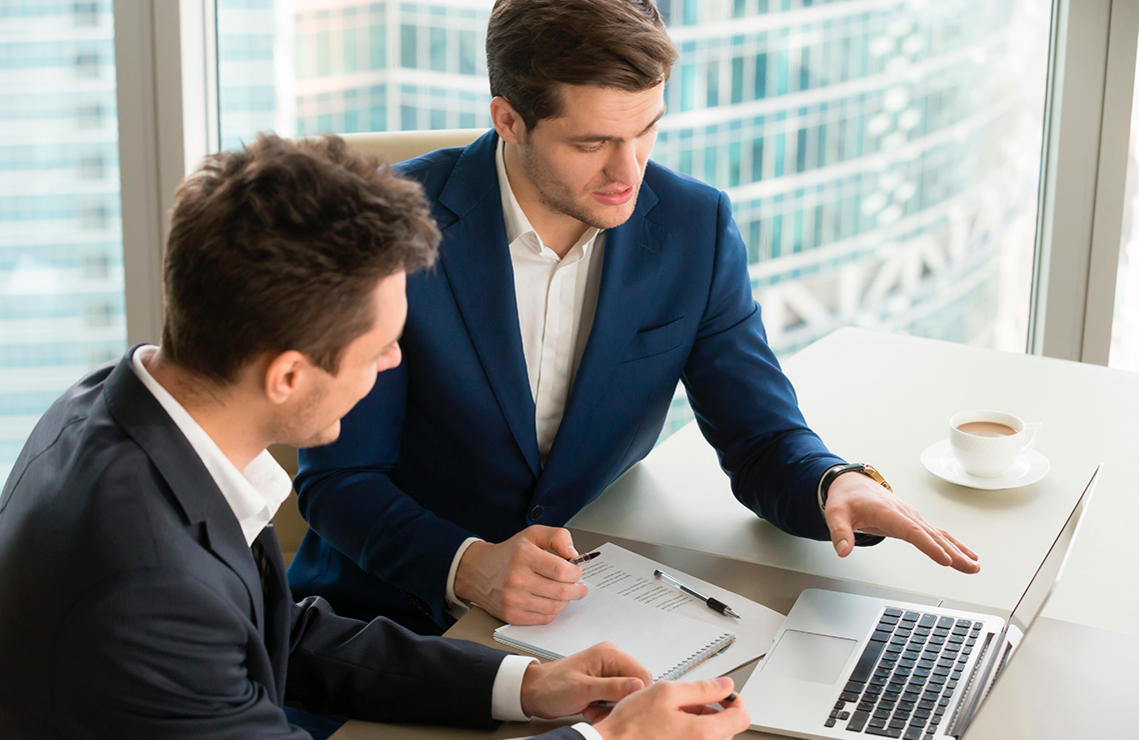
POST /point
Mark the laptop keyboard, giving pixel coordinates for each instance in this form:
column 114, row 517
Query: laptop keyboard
column 903, row 684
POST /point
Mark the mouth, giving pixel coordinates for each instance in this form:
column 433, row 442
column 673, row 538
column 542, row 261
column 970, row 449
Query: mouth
column 614, row 197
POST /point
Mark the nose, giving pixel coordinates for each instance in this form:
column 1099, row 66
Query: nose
column 623, row 165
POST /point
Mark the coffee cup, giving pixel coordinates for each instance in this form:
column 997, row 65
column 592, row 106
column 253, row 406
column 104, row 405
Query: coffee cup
column 987, row 443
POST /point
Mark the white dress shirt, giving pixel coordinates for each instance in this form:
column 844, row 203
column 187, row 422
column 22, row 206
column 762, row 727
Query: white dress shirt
column 556, row 299
column 255, row 493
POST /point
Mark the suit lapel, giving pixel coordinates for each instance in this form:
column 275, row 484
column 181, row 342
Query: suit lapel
column 629, row 281
column 476, row 259
column 144, row 419
column 278, row 601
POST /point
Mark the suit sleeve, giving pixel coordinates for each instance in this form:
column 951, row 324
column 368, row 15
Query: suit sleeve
column 744, row 404
column 346, row 494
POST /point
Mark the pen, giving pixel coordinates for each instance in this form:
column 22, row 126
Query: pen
column 584, row 558
column 713, row 604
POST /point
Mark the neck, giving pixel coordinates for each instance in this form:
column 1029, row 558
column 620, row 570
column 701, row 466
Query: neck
column 220, row 412
column 558, row 231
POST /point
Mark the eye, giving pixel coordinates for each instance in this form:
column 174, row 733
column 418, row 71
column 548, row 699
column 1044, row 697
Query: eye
column 590, row 149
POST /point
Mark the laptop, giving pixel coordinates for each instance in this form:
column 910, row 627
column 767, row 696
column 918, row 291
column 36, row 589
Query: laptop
column 848, row 666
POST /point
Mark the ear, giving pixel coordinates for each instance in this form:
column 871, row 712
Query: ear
column 506, row 120
column 285, row 375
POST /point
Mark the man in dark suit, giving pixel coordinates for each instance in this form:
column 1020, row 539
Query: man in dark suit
column 142, row 590
column 579, row 283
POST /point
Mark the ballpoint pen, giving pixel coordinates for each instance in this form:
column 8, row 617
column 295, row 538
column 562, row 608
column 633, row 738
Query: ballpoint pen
column 713, row 604
column 584, row 558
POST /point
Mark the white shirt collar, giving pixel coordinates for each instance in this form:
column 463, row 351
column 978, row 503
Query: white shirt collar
column 254, row 494
column 517, row 225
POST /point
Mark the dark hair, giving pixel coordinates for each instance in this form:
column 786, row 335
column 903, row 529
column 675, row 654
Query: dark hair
column 279, row 247
column 532, row 46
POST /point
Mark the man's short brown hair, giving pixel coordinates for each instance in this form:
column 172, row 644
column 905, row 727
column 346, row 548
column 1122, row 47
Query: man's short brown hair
column 280, row 246
column 532, row 46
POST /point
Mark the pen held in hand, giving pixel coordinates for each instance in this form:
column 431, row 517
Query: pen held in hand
column 713, row 604
column 584, row 558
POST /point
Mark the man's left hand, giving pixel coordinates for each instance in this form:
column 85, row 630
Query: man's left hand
column 855, row 501
column 568, row 686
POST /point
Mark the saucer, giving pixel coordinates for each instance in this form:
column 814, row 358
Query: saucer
column 938, row 459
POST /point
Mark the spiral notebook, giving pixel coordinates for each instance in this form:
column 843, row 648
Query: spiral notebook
column 668, row 645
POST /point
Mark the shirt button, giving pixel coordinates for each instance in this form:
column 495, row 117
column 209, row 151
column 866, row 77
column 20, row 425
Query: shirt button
column 536, row 513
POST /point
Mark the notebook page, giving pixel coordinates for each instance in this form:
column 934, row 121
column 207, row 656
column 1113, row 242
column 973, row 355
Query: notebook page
column 631, row 576
column 659, row 640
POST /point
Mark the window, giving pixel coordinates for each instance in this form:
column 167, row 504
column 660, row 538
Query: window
column 882, row 161
column 61, row 261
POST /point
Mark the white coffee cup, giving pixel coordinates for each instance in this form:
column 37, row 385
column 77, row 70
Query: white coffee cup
column 987, row 443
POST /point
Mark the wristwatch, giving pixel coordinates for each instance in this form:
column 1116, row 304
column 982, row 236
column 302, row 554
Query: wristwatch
column 860, row 538
column 828, row 477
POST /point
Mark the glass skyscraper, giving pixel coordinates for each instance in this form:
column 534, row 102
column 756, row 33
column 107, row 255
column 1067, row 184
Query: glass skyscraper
column 882, row 156
column 61, row 265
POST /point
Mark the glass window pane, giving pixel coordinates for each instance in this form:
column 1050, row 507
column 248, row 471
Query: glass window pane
column 882, row 161
column 62, row 308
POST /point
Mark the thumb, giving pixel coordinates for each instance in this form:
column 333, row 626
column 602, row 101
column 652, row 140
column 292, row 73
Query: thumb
column 703, row 692
column 842, row 534
column 612, row 689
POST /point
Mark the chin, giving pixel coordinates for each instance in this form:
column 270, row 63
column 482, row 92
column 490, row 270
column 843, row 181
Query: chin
column 325, row 436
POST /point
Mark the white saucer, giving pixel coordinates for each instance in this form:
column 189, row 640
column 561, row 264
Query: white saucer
column 938, row 459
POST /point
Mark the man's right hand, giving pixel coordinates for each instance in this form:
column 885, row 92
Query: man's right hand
column 674, row 709
column 519, row 581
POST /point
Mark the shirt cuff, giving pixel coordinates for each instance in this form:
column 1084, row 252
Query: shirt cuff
column 455, row 605
column 506, row 695
column 588, row 731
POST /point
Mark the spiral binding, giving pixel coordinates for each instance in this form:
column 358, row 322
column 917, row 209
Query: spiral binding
column 709, row 650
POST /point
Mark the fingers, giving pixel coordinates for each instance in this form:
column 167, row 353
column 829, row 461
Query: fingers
column 616, row 662
column 695, row 693
column 557, row 539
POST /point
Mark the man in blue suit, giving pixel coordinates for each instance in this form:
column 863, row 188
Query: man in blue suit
column 578, row 282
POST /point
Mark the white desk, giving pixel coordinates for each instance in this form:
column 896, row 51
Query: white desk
column 882, row 399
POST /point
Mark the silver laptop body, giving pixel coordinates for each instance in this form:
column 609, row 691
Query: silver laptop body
column 847, row 666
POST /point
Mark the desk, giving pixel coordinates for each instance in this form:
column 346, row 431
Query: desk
column 883, row 399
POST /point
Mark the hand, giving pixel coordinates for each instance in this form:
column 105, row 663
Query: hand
column 855, row 501
column 567, row 686
column 674, row 709
column 518, row 580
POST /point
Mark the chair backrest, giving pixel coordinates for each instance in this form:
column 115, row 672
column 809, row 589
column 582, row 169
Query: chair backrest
column 393, row 146
column 396, row 146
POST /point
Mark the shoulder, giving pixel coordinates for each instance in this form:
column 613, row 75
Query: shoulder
column 433, row 169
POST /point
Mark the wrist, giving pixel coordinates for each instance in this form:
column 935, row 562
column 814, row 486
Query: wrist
column 832, row 474
column 468, row 574
column 529, row 693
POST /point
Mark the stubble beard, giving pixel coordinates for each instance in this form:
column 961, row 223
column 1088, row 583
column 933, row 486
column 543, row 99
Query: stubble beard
column 557, row 198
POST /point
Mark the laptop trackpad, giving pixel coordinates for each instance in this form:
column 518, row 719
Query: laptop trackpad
column 809, row 657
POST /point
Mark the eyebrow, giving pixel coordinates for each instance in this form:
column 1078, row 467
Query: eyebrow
column 601, row 137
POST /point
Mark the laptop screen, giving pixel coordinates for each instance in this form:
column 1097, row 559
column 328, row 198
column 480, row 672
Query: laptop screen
column 1048, row 574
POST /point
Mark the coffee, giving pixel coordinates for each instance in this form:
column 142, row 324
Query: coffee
column 987, row 429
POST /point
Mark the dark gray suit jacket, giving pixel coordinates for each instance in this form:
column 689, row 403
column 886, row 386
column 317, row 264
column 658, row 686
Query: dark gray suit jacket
column 131, row 606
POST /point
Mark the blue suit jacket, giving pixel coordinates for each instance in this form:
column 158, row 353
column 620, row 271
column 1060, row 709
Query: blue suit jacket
column 131, row 605
column 445, row 447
